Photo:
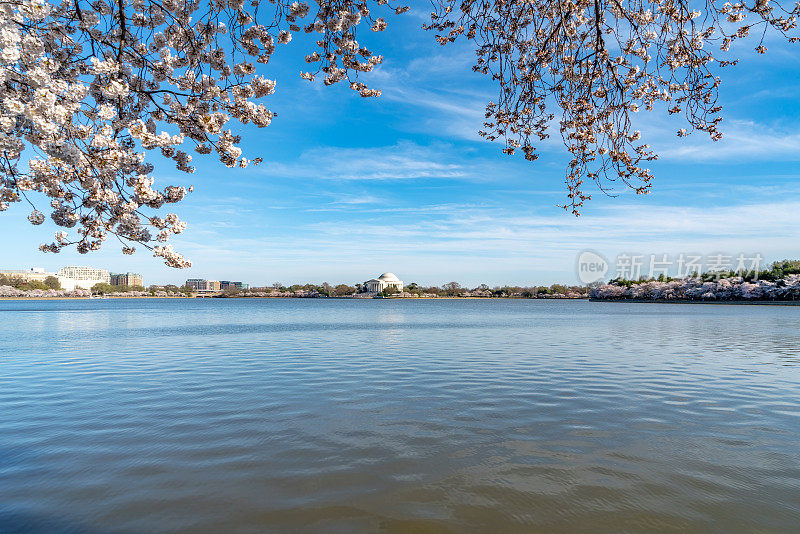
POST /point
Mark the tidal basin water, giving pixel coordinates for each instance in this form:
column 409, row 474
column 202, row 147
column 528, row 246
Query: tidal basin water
column 499, row 416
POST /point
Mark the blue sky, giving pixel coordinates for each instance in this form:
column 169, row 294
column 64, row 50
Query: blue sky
column 353, row 187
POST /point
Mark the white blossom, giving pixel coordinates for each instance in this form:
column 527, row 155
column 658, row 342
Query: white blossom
column 692, row 288
column 85, row 104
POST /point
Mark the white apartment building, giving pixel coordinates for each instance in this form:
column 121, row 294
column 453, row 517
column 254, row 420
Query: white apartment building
column 74, row 277
column 85, row 273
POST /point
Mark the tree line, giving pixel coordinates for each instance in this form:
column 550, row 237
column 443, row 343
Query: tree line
column 450, row 289
column 107, row 289
column 780, row 282
column 778, row 270
column 23, row 284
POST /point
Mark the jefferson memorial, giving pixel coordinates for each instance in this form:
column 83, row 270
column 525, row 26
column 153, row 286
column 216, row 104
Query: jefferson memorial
column 376, row 285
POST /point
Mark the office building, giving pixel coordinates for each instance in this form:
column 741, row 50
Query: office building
column 127, row 279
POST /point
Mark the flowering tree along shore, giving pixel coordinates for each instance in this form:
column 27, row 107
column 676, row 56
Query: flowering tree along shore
column 694, row 289
column 87, row 88
column 782, row 282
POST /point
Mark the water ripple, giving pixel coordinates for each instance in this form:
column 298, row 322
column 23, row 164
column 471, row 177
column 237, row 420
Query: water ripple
column 435, row 416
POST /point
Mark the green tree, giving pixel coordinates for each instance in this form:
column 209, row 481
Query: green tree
column 559, row 289
column 230, row 291
column 452, row 289
column 10, row 280
column 102, row 288
column 52, row 282
column 33, row 284
column 389, row 291
column 413, row 288
column 343, row 289
column 183, row 289
column 499, row 292
column 432, row 290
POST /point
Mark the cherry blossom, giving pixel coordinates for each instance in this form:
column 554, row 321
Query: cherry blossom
column 585, row 67
column 88, row 88
column 735, row 288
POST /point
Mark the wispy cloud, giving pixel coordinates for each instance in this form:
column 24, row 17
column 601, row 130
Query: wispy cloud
column 456, row 111
column 403, row 161
column 742, row 140
column 350, row 200
column 625, row 225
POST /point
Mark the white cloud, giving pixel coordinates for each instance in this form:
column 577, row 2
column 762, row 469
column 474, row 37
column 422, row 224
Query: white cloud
column 457, row 111
column 403, row 161
column 353, row 199
column 742, row 141
column 623, row 225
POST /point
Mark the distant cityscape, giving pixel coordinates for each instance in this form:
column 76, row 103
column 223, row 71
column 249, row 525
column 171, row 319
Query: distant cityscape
column 81, row 281
column 71, row 278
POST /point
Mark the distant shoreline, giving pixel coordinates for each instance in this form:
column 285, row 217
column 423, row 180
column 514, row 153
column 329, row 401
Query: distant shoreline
column 717, row 302
column 289, row 298
column 620, row 301
column 89, row 298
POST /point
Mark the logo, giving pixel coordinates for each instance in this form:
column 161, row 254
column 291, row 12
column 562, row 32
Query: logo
column 592, row 267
